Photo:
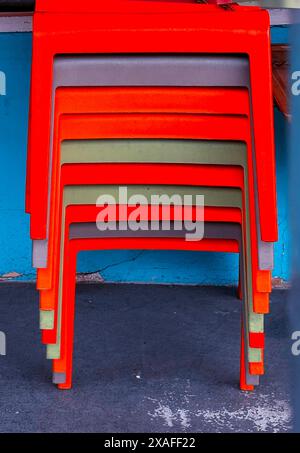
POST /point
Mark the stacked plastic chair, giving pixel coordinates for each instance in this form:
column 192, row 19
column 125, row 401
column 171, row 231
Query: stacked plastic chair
column 163, row 98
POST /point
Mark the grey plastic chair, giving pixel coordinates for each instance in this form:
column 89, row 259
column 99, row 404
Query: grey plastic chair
column 151, row 71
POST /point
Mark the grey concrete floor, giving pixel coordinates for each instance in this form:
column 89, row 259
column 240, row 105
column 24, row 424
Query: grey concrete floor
column 147, row 359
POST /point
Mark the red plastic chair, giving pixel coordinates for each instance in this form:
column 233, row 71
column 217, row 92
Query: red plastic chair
column 190, row 126
column 143, row 100
column 88, row 213
column 64, row 365
column 191, row 31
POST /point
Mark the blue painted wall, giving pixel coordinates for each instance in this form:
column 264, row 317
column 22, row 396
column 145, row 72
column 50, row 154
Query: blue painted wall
column 15, row 61
column 160, row 267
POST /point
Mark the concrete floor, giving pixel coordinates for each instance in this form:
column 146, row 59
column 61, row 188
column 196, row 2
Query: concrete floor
column 147, row 359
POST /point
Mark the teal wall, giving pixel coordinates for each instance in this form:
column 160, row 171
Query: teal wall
column 132, row 266
column 15, row 61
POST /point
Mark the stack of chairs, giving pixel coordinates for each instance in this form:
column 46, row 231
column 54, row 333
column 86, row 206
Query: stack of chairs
column 161, row 98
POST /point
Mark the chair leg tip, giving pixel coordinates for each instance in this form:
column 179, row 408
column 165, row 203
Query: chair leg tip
column 59, row 378
column 64, row 386
column 246, row 388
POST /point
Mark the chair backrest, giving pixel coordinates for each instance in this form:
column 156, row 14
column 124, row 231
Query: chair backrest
column 159, row 6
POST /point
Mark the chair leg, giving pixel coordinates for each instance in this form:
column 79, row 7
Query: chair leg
column 243, row 382
column 240, row 286
column 68, row 318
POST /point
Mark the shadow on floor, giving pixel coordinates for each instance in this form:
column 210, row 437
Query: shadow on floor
column 147, row 359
